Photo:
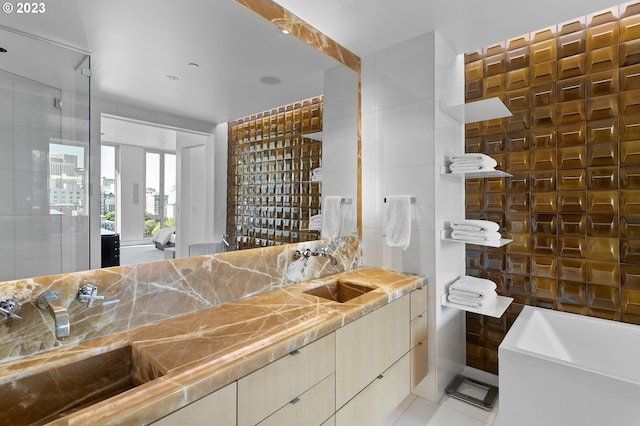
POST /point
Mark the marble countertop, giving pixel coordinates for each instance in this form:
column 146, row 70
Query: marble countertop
column 180, row 360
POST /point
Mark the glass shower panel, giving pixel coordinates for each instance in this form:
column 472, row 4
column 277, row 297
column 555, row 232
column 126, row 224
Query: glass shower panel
column 44, row 166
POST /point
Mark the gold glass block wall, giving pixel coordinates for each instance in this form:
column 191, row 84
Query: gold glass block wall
column 270, row 193
column 572, row 145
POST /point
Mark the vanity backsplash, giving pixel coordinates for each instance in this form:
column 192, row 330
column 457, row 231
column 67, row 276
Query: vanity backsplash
column 141, row 294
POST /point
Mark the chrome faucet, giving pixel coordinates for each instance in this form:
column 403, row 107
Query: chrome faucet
column 325, row 253
column 307, row 253
column 225, row 243
column 9, row 308
column 51, row 301
column 88, row 294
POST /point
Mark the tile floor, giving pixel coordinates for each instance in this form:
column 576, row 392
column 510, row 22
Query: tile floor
column 415, row 411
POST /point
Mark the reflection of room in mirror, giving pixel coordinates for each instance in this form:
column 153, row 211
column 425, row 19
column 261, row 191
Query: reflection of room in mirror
column 275, row 178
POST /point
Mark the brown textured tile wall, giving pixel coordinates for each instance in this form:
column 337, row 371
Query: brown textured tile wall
column 572, row 145
column 270, row 194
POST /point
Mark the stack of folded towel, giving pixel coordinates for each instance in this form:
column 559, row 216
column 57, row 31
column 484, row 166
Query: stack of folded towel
column 466, row 163
column 475, row 231
column 472, row 292
column 315, row 222
column 316, row 175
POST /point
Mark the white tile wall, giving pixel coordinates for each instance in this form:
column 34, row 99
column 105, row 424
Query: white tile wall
column 339, row 141
column 404, row 136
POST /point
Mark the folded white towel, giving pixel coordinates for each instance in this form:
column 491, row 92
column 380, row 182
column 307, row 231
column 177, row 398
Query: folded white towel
column 470, row 169
column 476, row 237
column 473, row 296
column 331, row 217
column 464, row 302
column 473, row 156
column 316, row 174
column 397, row 221
column 474, row 225
column 475, row 286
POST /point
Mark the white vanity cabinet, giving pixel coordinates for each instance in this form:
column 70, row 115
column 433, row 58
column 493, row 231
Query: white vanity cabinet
column 297, row 385
column 372, row 369
column 356, row 375
column 220, row 405
column 419, row 360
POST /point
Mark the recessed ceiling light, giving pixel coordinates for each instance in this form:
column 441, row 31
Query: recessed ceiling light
column 193, row 65
column 284, row 31
column 270, row 80
column 3, row 50
column 173, row 78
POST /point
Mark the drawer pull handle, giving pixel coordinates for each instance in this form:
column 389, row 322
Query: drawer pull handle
column 419, row 343
column 380, row 377
column 420, row 316
column 295, row 400
column 294, row 353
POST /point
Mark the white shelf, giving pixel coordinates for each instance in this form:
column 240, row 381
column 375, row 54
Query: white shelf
column 495, row 310
column 317, row 136
column 444, row 170
column 445, row 235
column 470, row 112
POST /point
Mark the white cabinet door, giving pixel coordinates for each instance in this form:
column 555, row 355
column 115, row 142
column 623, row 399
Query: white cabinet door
column 270, row 388
column 374, row 404
column 370, row 345
column 220, row 405
column 311, row 408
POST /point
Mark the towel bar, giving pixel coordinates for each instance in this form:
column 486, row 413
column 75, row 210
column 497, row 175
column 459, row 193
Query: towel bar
column 413, row 200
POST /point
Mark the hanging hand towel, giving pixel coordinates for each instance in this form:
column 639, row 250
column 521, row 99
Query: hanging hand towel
column 331, row 217
column 397, row 221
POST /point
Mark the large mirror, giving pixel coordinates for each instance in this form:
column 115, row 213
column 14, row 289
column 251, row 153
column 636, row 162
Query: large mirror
column 185, row 68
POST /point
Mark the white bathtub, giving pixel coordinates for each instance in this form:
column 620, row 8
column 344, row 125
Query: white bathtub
column 563, row 369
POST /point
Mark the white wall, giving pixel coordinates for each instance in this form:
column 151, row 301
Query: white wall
column 404, row 139
column 339, row 142
column 131, row 193
column 219, row 182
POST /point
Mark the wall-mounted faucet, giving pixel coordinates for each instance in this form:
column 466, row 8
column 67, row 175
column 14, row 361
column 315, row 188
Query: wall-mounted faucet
column 88, row 293
column 9, row 308
column 325, row 253
column 51, row 301
column 306, row 253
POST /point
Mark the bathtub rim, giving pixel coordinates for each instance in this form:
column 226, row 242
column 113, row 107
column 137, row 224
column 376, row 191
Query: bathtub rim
column 509, row 349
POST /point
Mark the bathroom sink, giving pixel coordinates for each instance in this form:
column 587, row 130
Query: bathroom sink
column 51, row 394
column 340, row 290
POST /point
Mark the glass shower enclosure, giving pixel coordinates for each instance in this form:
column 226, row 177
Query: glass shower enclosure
column 44, row 157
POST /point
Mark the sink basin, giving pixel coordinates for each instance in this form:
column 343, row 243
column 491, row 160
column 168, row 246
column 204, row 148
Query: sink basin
column 48, row 395
column 339, row 291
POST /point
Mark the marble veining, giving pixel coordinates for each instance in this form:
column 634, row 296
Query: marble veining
column 143, row 294
column 176, row 361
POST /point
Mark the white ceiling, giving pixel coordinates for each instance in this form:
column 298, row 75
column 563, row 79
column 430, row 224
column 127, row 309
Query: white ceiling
column 135, row 44
column 367, row 26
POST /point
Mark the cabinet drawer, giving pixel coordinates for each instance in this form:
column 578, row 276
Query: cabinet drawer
column 418, row 301
column 264, row 391
column 220, row 405
column 374, row 404
column 311, row 408
column 418, row 329
column 419, row 363
column 369, row 346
